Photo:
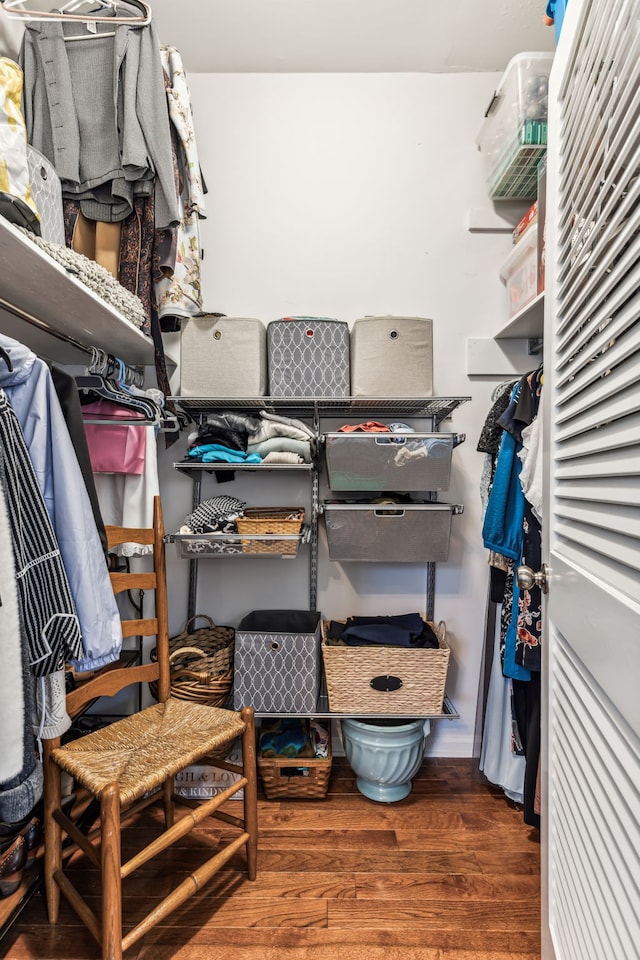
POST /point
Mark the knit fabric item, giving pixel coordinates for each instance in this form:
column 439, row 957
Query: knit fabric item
column 95, row 277
column 51, row 718
column 217, row 514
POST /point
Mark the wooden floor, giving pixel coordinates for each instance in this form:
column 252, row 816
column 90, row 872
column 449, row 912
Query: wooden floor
column 450, row 873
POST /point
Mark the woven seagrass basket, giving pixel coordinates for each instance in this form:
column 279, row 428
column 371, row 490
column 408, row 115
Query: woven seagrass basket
column 299, row 777
column 386, row 680
column 201, row 663
column 267, row 521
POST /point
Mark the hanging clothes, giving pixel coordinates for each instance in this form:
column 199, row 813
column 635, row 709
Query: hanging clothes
column 96, row 108
column 47, row 609
column 126, row 500
column 29, row 388
column 12, row 706
column 512, row 527
column 180, row 295
column 67, row 393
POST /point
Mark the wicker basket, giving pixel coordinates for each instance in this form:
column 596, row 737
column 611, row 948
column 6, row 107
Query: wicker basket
column 201, row 663
column 297, row 777
column 268, row 521
column 417, row 677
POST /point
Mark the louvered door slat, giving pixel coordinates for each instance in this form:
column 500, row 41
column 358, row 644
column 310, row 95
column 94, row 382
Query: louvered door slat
column 606, row 463
column 610, row 517
column 610, row 436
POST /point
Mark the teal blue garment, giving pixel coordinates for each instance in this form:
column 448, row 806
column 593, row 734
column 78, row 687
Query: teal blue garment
column 503, row 520
column 217, row 453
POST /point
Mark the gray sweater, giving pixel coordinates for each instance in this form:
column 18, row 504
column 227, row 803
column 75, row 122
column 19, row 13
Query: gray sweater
column 97, row 109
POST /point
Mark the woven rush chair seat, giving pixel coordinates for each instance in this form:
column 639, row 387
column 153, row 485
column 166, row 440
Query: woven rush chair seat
column 131, row 764
column 140, row 752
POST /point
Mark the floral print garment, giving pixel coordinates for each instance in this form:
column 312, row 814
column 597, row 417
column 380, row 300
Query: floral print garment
column 181, row 294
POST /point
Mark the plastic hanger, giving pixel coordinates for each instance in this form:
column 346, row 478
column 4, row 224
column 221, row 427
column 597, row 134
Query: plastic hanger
column 7, row 359
column 109, row 390
column 16, row 11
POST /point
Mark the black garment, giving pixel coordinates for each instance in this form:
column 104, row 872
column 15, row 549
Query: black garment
column 491, row 433
column 405, row 630
column 68, row 395
column 526, row 707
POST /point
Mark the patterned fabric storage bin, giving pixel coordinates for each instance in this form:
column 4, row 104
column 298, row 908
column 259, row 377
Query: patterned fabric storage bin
column 392, row 357
column 389, row 461
column 47, row 195
column 277, row 663
column 308, row 357
column 389, row 533
column 223, row 357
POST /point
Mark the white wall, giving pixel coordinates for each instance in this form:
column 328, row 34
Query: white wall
column 345, row 195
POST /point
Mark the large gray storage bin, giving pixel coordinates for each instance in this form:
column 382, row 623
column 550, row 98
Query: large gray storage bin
column 223, row 357
column 394, row 461
column 392, row 357
column 398, row 533
column 308, row 357
column 277, row 661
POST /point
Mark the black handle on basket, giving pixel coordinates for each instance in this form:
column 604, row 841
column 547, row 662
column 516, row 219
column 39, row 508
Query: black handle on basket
column 385, row 683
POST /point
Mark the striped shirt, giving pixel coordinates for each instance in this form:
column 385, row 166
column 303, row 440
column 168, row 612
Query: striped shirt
column 48, row 613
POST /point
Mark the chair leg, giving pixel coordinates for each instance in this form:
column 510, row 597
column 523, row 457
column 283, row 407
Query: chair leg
column 167, row 802
column 111, row 920
column 250, row 790
column 52, row 830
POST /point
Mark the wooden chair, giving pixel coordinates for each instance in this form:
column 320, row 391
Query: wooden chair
column 132, row 763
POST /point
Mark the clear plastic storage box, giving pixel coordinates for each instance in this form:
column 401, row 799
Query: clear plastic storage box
column 519, row 272
column 513, row 136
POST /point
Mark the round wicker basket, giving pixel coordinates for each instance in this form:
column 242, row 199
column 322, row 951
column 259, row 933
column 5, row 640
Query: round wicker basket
column 201, row 663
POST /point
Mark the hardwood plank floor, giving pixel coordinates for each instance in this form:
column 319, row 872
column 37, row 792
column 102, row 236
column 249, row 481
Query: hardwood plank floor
column 449, row 873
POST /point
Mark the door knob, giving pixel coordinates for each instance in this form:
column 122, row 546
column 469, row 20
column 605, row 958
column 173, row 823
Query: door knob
column 526, row 578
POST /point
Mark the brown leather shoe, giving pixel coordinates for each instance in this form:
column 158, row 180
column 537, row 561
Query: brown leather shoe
column 30, row 828
column 12, row 864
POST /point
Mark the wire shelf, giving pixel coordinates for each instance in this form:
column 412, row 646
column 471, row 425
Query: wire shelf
column 439, row 408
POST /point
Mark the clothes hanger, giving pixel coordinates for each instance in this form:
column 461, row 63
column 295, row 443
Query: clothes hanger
column 7, row 359
column 108, row 390
column 15, row 10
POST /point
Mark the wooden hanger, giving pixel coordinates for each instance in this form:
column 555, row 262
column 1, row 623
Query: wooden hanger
column 14, row 9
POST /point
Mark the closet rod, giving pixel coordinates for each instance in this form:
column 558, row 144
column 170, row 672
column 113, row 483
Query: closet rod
column 41, row 325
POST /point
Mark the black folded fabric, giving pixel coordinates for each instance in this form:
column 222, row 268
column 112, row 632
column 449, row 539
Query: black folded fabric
column 404, row 630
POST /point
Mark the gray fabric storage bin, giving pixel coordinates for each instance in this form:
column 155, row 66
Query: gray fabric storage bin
column 223, row 357
column 397, row 533
column 308, row 357
column 392, row 357
column 389, row 461
column 277, row 661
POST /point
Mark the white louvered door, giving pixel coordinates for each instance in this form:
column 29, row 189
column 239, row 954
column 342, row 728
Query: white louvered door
column 591, row 688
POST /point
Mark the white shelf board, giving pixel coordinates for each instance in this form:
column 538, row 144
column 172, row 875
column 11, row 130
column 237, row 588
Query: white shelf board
column 498, row 358
column 56, row 315
column 528, row 323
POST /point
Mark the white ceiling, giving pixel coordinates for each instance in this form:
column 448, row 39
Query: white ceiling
column 344, row 36
column 339, row 36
